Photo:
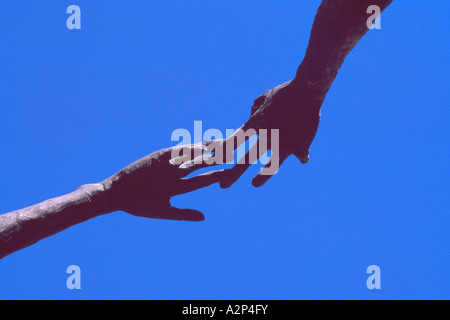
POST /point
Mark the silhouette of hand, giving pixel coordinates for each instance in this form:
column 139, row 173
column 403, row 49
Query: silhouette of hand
column 292, row 109
column 144, row 188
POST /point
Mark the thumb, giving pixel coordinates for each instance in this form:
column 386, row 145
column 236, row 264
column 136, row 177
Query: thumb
column 178, row 214
column 169, row 213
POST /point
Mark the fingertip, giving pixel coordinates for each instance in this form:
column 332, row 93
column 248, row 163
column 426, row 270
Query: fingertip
column 225, row 181
column 259, row 180
column 304, row 160
column 194, row 215
column 303, row 157
column 255, row 183
column 187, row 215
column 224, row 184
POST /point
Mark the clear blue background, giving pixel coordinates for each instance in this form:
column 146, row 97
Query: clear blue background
column 78, row 105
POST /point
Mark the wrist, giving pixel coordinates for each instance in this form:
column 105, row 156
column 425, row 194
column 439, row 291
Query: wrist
column 99, row 197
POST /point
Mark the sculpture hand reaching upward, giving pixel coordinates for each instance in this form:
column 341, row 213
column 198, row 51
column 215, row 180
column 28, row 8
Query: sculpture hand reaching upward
column 144, row 188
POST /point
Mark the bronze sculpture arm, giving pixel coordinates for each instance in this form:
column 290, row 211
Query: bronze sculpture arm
column 143, row 188
column 294, row 107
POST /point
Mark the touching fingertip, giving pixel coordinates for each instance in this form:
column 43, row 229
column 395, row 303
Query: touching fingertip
column 256, row 182
column 259, row 180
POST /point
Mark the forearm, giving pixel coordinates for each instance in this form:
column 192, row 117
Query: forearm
column 22, row 228
column 337, row 28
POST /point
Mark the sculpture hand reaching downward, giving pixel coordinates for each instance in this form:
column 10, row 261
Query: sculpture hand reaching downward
column 294, row 107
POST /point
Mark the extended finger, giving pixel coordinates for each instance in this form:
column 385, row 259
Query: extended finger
column 178, row 214
column 270, row 169
column 189, row 152
column 197, row 182
column 232, row 175
column 184, row 165
column 203, row 161
column 229, row 145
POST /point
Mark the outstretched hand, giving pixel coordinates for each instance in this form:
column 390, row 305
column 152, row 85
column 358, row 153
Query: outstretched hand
column 294, row 107
column 292, row 110
column 144, row 188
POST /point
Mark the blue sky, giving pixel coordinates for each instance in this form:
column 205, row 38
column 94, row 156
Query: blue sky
column 79, row 105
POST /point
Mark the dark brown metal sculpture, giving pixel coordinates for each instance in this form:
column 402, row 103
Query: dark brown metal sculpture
column 144, row 188
column 294, row 107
